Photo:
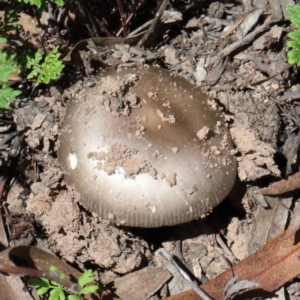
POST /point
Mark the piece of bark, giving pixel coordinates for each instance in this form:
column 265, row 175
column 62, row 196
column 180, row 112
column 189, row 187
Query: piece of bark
column 275, row 33
column 214, row 74
column 283, row 186
column 276, row 9
column 258, row 197
column 290, row 150
column 290, row 96
column 250, row 21
column 247, row 5
column 260, row 3
column 271, row 267
column 235, row 24
column 295, row 220
column 269, row 222
column 142, row 284
column 12, row 288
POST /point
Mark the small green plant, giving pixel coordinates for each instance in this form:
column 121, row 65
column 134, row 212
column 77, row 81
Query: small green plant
column 57, row 292
column 49, row 69
column 42, row 68
column 294, row 54
column 41, row 3
column 7, row 23
column 7, row 67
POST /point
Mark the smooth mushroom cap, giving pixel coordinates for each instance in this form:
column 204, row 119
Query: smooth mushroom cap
column 144, row 148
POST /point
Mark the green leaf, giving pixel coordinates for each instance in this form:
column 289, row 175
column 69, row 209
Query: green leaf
column 47, row 77
column 11, row 16
column 294, row 13
column 7, row 96
column 42, row 285
column 5, row 71
column 53, row 268
column 42, row 291
column 54, row 283
column 294, row 45
column 73, row 297
column 2, row 40
column 7, row 66
column 57, row 294
column 48, row 70
column 89, row 290
column 62, row 295
column 294, row 36
column 59, row 2
column 293, row 57
column 37, row 282
column 86, row 277
column 32, row 2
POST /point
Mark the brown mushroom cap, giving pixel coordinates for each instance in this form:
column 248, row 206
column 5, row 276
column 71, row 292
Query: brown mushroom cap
column 144, row 148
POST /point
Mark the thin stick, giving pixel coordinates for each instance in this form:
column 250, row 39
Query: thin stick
column 270, row 77
column 134, row 10
column 122, row 28
column 245, row 40
column 133, row 33
column 121, row 11
column 154, row 22
column 171, row 261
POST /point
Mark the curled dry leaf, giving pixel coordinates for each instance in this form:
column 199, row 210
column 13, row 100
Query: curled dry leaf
column 234, row 287
column 271, row 267
column 283, row 186
column 12, row 288
column 140, row 285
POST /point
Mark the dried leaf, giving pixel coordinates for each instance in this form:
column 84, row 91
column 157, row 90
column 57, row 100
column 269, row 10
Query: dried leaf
column 283, row 186
column 271, row 267
column 234, row 287
column 250, row 21
column 142, row 284
column 276, row 9
column 233, row 26
column 33, row 257
column 11, row 287
column 269, row 223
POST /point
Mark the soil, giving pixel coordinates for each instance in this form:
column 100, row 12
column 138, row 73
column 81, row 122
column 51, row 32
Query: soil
column 262, row 120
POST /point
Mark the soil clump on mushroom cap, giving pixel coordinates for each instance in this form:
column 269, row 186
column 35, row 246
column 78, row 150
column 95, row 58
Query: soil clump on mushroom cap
column 121, row 132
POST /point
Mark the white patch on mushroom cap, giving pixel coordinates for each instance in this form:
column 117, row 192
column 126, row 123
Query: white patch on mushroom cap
column 152, row 208
column 73, row 160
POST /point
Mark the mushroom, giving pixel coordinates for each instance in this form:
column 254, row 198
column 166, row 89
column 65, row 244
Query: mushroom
column 144, row 148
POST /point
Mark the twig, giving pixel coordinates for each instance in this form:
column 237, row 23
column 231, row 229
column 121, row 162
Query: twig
column 245, row 40
column 224, row 246
column 7, row 223
column 139, row 29
column 154, row 22
column 122, row 28
column 196, row 288
column 121, row 11
column 134, row 10
column 269, row 78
